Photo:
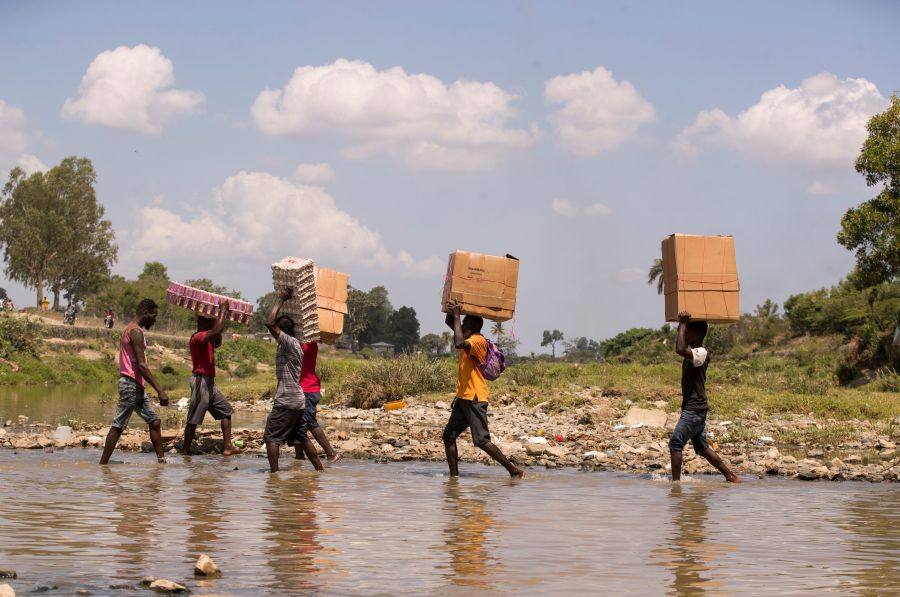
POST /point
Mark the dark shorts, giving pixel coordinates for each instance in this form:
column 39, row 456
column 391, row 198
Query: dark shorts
column 467, row 414
column 206, row 397
column 691, row 427
column 284, row 425
column 132, row 398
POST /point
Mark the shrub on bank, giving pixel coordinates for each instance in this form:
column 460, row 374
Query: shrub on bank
column 382, row 380
column 18, row 335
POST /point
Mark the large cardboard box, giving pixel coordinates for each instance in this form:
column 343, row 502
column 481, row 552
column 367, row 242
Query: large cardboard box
column 483, row 285
column 700, row 277
column 331, row 295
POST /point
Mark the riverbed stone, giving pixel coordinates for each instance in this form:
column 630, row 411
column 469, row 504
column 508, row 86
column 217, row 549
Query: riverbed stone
column 206, row 567
column 654, row 418
column 167, row 586
column 8, row 573
column 6, row 591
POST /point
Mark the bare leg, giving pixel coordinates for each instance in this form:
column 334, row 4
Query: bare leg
column 452, row 457
column 112, row 438
column 156, row 440
column 313, row 455
column 299, row 452
column 494, row 452
column 720, row 465
column 189, row 431
column 272, row 454
column 677, row 458
column 227, row 447
column 320, row 436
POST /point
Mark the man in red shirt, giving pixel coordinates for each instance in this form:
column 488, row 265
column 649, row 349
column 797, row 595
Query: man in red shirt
column 205, row 396
column 312, row 390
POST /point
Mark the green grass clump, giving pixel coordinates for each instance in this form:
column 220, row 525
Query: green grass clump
column 382, row 380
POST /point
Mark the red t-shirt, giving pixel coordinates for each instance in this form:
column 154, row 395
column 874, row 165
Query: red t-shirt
column 309, row 381
column 203, row 355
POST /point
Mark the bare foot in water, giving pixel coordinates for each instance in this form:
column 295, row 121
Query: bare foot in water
column 335, row 458
column 733, row 479
column 230, row 451
column 519, row 474
column 161, row 460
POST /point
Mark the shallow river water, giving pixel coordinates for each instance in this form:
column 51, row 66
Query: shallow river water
column 363, row 528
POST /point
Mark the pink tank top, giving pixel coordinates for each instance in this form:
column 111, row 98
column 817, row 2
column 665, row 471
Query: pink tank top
column 128, row 364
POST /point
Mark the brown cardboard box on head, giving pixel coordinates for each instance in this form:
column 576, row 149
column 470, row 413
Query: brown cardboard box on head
column 483, row 285
column 331, row 295
column 700, row 277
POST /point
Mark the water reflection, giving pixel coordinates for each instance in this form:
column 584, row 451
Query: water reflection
column 690, row 551
column 136, row 501
column 466, row 536
column 206, row 515
column 871, row 522
column 292, row 530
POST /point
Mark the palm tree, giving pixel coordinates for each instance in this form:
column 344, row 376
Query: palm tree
column 656, row 275
column 497, row 330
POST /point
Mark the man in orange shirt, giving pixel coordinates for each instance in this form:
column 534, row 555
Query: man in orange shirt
column 470, row 406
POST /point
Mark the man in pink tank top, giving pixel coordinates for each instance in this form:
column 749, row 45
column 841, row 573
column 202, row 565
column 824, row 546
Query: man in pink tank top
column 133, row 372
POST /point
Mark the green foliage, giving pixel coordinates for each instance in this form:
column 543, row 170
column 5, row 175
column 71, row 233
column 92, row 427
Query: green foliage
column 584, row 349
column 245, row 369
column 433, row 345
column 551, row 338
column 844, row 309
column 872, row 229
column 53, row 232
column 403, row 329
column 382, row 380
column 245, row 349
column 655, row 275
column 640, row 344
column 18, row 336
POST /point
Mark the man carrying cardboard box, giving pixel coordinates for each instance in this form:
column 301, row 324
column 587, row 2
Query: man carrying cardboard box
column 691, row 426
column 469, row 410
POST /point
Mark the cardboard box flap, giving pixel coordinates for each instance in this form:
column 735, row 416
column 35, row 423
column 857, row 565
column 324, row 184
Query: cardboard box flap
column 332, row 305
column 482, row 300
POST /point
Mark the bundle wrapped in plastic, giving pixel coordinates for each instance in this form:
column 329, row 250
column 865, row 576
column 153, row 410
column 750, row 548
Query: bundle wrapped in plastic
column 207, row 303
column 300, row 276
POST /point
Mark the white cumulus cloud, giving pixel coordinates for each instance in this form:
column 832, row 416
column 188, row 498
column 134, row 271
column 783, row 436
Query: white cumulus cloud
column 313, row 173
column 567, row 209
column 414, row 118
column 130, row 89
column 821, row 123
column 254, row 219
column 598, row 113
column 14, row 139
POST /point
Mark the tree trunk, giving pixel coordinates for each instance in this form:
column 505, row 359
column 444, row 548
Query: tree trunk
column 56, row 293
column 40, row 296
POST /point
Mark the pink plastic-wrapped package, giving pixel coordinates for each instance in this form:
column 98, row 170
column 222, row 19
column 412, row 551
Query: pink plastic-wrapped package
column 207, row 303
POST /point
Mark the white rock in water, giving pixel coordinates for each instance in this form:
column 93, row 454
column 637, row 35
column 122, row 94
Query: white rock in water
column 63, row 435
column 7, row 591
column 167, row 586
column 537, row 440
column 206, row 567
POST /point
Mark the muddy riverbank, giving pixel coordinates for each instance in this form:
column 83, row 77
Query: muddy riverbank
column 594, row 436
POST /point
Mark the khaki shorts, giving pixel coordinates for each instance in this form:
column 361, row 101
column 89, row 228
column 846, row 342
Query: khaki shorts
column 206, row 397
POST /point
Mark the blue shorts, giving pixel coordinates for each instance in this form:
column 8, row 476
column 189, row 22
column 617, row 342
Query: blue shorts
column 132, row 398
column 691, row 427
column 309, row 413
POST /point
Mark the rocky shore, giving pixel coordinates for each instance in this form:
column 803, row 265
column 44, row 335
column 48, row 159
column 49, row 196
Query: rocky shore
column 600, row 434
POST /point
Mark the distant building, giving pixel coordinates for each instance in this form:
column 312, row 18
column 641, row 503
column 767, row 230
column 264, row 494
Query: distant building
column 382, row 348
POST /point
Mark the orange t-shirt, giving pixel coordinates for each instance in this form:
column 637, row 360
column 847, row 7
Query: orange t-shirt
column 471, row 384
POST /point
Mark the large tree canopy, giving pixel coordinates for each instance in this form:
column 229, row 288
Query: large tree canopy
column 872, row 229
column 53, row 232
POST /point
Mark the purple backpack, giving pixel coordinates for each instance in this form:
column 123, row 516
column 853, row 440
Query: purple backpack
column 494, row 363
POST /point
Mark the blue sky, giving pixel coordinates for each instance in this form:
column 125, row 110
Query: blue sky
column 578, row 136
